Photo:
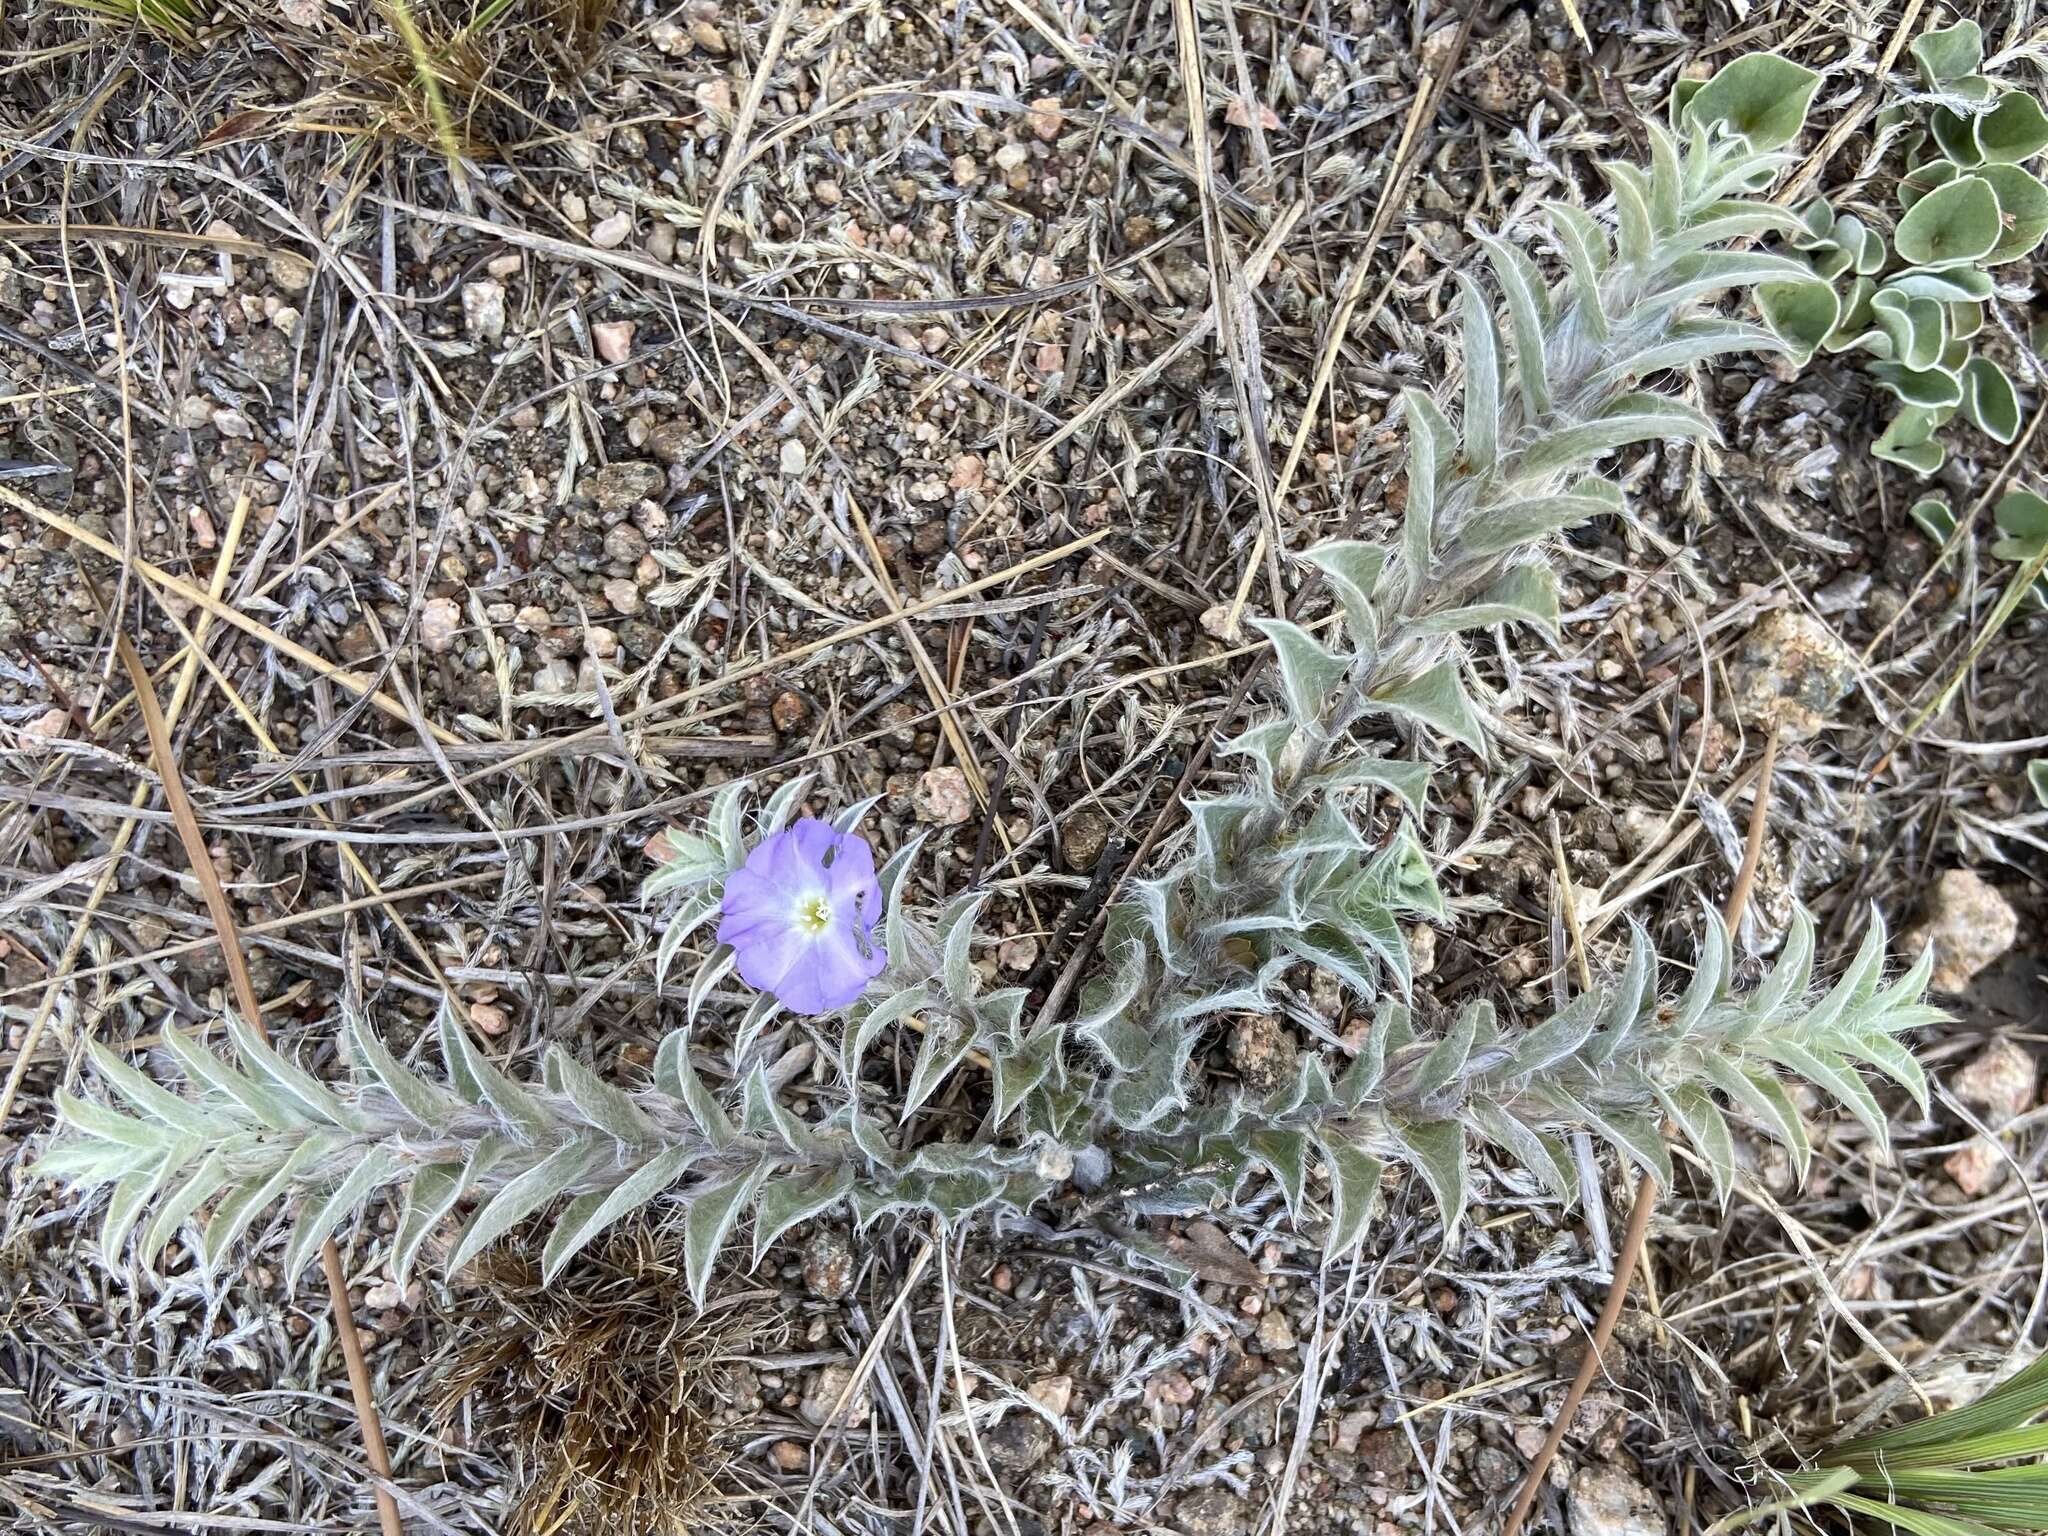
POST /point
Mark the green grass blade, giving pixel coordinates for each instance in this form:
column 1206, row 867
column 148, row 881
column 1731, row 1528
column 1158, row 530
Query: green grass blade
column 2004, row 1407
column 1970, row 1451
column 1917, row 1522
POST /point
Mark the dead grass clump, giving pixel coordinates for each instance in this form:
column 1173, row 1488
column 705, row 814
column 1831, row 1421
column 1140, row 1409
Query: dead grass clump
column 611, row 1382
column 175, row 21
column 464, row 80
column 420, row 78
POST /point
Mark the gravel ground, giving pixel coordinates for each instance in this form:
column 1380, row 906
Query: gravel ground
column 786, row 388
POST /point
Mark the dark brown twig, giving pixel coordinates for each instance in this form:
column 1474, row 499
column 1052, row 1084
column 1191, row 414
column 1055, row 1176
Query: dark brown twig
column 1632, row 1241
column 187, row 821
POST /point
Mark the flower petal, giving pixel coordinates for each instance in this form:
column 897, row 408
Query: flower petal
column 851, row 877
column 751, row 896
column 811, row 840
column 839, row 969
column 767, row 956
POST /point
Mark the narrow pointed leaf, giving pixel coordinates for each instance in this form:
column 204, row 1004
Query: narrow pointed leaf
column 240, row 1207
column 1522, row 289
column 677, row 1077
column 589, row 1217
column 785, row 1202
column 206, row 1181
column 710, row 1221
column 1285, row 1154
column 1436, row 1150
column 544, row 1183
column 1307, row 671
column 325, row 1212
column 1438, row 699
column 1484, row 369
column 151, row 1100
column 1355, row 1188
column 202, row 1066
column 597, row 1102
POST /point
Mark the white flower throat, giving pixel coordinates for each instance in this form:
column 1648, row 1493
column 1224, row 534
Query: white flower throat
column 814, row 913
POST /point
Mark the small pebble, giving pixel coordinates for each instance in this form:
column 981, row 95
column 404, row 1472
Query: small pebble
column 483, row 310
column 440, row 619
column 942, row 797
column 613, row 339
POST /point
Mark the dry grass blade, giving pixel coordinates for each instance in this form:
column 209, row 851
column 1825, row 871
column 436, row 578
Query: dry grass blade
column 181, row 693
column 343, row 849
column 427, row 70
column 251, row 1006
column 354, row 682
column 1230, row 299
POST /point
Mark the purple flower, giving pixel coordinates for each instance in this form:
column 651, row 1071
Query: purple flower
column 801, row 914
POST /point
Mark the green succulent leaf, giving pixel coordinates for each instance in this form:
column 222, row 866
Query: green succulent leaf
column 1925, row 387
column 1925, row 178
column 1857, row 327
column 1909, row 441
column 1916, row 327
column 2015, row 129
column 1934, row 517
column 2022, row 212
column 1989, row 401
column 1955, row 285
column 1760, row 96
column 1955, row 134
column 1802, row 315
column 2022, row 517
column 1951, row 225
column 1948, row 53
column 1817, row 220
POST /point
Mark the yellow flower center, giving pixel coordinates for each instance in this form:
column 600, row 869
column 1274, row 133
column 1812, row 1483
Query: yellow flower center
column 814, row 915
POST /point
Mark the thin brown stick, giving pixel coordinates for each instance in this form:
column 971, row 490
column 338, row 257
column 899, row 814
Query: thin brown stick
column 181, row 692
column 1753, row 848
column 1631, row 1251
column 201, row 857
column 1610, row 1314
